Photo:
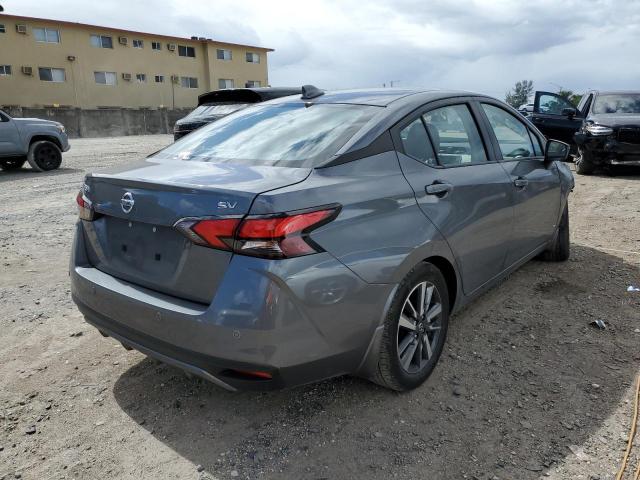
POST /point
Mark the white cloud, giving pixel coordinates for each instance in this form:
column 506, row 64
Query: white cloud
column 481, row 45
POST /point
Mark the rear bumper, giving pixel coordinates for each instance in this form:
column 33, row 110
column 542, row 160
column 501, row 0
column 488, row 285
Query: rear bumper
column 308, row 319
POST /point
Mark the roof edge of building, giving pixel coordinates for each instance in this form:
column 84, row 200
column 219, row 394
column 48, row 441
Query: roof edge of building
column 114, row 29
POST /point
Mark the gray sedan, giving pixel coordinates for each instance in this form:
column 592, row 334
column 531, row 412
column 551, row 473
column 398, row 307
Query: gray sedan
column 318, row 235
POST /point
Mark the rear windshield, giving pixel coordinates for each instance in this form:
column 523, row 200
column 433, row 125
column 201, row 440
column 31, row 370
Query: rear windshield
column 618, row 103
column 217, row 109
column 288, row 135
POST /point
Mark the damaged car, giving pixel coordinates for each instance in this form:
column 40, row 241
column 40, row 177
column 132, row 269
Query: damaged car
column 604, row 129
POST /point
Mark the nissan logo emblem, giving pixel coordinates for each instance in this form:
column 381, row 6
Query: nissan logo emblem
column 126, row 202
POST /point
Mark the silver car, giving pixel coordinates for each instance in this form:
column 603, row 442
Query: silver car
column 318, row 235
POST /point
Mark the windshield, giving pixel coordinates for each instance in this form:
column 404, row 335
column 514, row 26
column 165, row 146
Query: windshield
column 617, row 103
column 288, row 135
column 217, row 109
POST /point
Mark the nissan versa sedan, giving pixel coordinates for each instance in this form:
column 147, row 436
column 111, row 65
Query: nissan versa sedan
column 318, row 235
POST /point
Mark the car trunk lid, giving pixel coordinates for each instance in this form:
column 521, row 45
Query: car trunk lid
column 133, row 236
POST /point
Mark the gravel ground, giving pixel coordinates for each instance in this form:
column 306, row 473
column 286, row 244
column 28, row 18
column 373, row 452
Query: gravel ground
column 525, row 389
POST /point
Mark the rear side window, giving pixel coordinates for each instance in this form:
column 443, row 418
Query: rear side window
column 512, row 135
column 416, row 144
column 288, row 135
column 455, row 136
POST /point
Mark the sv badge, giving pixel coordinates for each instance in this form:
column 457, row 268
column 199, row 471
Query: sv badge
column 227, row 204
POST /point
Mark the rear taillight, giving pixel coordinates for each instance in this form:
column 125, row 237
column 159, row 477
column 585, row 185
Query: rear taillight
column 85, row 209
column 271, row 236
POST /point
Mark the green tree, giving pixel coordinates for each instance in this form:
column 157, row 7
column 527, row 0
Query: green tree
column 573, row 98
column 520, row 94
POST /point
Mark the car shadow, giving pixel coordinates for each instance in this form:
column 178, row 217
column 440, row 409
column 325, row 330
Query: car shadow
column 6, row 176
column 524, row 375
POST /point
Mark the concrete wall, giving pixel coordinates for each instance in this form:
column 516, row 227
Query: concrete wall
column 106, row 122
column 80, row 60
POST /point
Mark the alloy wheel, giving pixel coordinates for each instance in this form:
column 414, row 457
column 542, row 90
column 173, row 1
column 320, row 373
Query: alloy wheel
column 419, row 327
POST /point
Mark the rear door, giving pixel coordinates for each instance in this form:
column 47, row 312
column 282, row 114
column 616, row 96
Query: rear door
column 535, row 184
column 9, row 136
column 459, row 186
column 547, row 116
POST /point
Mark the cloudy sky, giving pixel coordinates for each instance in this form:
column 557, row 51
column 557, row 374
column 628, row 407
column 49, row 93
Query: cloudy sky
column 481, row 45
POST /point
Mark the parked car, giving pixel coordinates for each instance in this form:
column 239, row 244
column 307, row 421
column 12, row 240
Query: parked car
column 605, row 127
column 318, row 235
column 526, row 109
column 40, row 142
column 215, row 105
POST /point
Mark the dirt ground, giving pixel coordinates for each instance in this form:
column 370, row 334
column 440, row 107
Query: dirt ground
column 526, row 388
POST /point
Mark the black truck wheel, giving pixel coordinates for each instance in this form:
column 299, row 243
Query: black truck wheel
column 44, row 156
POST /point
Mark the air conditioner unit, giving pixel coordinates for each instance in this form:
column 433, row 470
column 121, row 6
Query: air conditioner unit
column 27, row 70
column 175, row 78
column 126, row 76
column 171, row 47
column 21, row 28
column 123, row 40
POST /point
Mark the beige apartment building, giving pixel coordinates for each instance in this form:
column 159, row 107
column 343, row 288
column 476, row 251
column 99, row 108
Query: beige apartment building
column 45, row 63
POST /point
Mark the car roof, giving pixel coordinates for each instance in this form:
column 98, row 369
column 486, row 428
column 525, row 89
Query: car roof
column 379, row 97
column 614, row 92
column 247, row 95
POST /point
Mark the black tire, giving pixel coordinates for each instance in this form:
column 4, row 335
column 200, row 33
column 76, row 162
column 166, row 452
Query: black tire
column 391, row 372
column 44, row 156
column 560, row 248
column 12, row 164
column 584, row 165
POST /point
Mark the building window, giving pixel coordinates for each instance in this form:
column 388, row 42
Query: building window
column 185, row 51
column 252, row 84
column 105, row 78
column 141, row 77
column 51, row 74
column 138, row 43
column 159, row 78
column 156, row 46
column 5, row 70
column 223, row 54
column 189, row 82
column 46, row 35
column 2, row 30
column 101, row 41
column 225, row 83
column 253, row 57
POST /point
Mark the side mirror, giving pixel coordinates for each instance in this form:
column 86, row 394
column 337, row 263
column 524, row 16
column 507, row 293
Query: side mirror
column 569, row 112
column 556, row 151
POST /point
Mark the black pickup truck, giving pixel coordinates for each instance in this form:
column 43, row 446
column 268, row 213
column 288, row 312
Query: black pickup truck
column 604, row 129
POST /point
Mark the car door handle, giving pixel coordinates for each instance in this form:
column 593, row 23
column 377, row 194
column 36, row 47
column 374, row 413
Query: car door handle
column 521, row 182
column 439, row 189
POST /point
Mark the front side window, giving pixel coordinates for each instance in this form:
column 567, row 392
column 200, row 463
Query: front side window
column 416, row 143
column 101, row 41
column 225, row 83
column 552, row 104
column 138, row 44
column 253, row 57
column 512, row 135
column 156, row 46
column 51, row 74
column 222, row 54
column 46, row 35
column 455, row 136
column 292, row 135
column 189, row 82
column 141, row 77
column 617, row 103
column 105, row 78
column 185, row 51
column 5, row 70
